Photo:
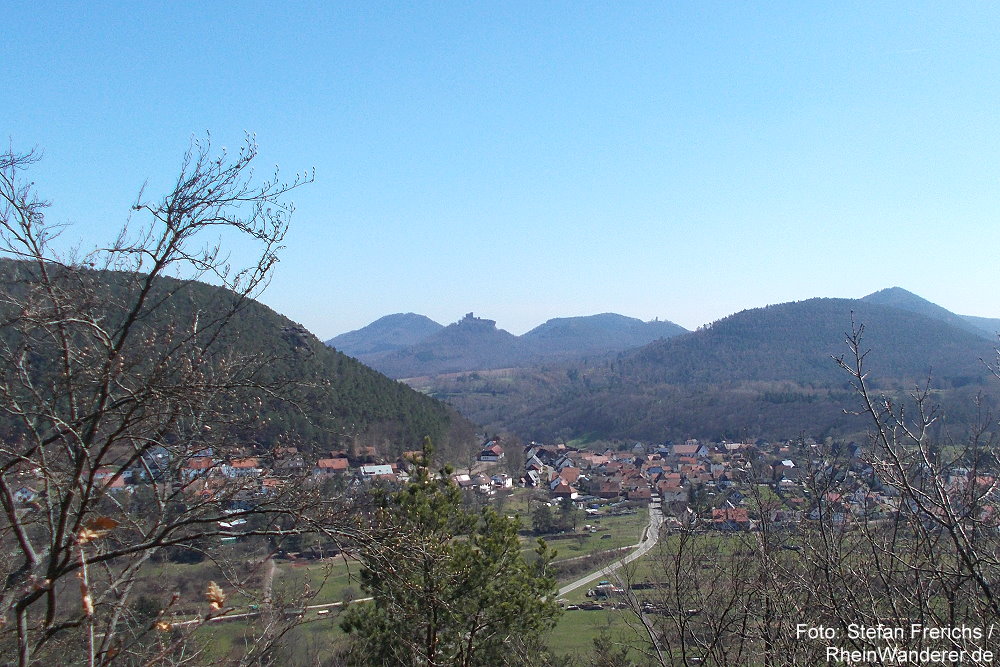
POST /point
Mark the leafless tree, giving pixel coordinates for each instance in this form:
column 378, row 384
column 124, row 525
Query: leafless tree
column 932, row 556
column 113, row 369
column 904, row 535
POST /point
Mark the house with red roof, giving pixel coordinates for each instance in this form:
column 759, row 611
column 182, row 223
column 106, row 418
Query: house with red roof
column 197, row 466
column 326, row 467
column 244, row 467
column 731, row 518
column 491, row 452
column 564, row 490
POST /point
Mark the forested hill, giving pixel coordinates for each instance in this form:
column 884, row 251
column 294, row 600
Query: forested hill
column 474, row 343
column 385, row 335
column 326, row 400
column 897, row 297
column 566, row 337
column 767, row 372
column 990, row 326
column 796, row 341
column 469, row 344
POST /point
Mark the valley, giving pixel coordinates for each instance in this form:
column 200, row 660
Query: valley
column 761, row 373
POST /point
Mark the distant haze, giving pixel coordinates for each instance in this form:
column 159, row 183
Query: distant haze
column 525, row 160
column 407, row 345
column 766, row 372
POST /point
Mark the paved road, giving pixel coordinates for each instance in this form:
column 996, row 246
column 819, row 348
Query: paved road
column 649, row 537
column 648, row 541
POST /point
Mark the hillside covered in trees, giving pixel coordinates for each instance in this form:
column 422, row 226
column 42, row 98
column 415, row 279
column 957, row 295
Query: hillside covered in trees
column 384, row 336
column 767, row 372
column 317, row 398
column 408, row 345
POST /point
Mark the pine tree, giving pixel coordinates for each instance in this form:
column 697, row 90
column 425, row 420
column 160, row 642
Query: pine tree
column 456, row 590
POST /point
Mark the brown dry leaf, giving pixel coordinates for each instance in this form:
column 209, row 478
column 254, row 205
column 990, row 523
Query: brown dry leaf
column 215, row 596
column 163, row 626
column 95, row 529
column 102, row 523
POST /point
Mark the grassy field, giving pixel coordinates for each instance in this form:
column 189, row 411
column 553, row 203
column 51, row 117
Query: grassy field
column 295, row 584
column 332, row 579
column 320, row 635
column 518, row 504
column 573, row 636
column 316, row 636
column 299, row 583
column 613, row 532
column 576, row 631
column 323, row 582
column 161, row 580
column 335, row 579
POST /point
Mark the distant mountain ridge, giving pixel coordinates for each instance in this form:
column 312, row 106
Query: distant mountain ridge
column 475, row 343
column 989, row 325
column 385, row 335
column 798, row 340
column 472, row 343
column 607, row 332
column 764, row 372
column 897, row 297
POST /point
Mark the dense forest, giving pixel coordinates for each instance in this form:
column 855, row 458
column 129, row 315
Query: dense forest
column 319, row 399
column 796, row 342
column 763, row 373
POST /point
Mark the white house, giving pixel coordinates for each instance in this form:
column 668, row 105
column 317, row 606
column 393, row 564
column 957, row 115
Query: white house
column 373, row 470
column 491, row 452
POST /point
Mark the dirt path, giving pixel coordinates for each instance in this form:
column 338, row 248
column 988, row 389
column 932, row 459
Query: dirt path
column 272, row 568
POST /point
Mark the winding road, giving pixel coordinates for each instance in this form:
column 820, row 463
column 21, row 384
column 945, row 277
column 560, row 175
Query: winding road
column 649, row 538
column 650, row 535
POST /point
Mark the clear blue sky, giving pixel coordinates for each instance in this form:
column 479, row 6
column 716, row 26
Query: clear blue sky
column 528, row 160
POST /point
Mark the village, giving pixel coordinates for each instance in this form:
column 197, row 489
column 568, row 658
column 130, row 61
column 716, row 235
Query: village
column 724, row 488
column 727, row 486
